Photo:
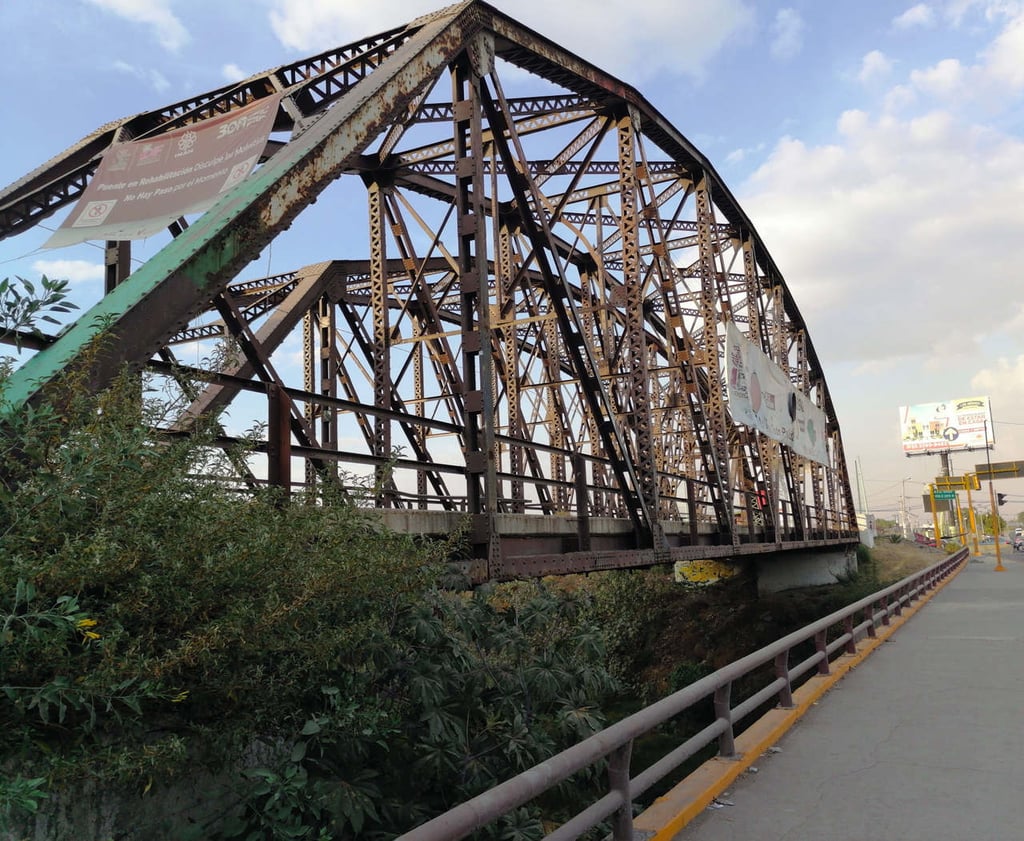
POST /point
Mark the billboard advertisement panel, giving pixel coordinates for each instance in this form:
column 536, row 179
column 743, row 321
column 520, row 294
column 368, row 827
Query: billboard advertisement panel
column 963, row 423
column 762, row 396
column 142, row 186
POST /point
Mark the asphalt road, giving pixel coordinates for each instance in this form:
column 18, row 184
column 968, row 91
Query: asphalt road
column 924, row 741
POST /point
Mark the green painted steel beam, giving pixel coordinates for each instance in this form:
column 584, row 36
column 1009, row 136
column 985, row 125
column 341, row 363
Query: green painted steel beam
column 162, row 295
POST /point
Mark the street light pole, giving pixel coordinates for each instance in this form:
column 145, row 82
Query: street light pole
column 904, row 519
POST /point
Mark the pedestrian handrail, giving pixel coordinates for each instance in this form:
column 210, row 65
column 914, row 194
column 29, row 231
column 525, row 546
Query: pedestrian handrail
column 615, row 743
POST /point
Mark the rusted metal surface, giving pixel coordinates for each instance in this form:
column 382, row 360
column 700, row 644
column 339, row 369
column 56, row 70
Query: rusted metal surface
column 534, row 325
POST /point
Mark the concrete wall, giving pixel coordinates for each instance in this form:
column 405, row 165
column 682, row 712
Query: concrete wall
column 803, row 568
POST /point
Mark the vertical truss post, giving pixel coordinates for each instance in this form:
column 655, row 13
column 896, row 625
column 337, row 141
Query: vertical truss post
column 504, row 286
column 591, row 312
column 579, row 473
column 767, row 450
column 477, row 359
column 310, row 321
column 279, row 441
column 636, row 338
column 328, row 380
column 712, row 407
column 117, row 259
column 117, row 264
column 556, row 427
column 379, row 300
column 420, row 432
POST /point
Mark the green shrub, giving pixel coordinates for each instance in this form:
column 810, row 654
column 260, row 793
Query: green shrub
column 626, row 606
column 153, row 617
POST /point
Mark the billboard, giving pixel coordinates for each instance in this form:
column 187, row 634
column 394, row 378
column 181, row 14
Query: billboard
column 142, row 186
column 762, row 396
column 960, row 424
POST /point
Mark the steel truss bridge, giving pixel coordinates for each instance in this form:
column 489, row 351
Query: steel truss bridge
column 531, row 339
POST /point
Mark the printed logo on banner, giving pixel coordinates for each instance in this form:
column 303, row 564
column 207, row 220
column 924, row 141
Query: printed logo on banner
column 151, row 153
column 239, row 172
column 122, row 160
column 186, row 144
column 95, row 213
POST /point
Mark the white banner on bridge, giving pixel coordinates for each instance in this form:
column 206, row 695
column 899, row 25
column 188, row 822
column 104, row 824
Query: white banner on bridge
column 142, row 186
column 762, row 396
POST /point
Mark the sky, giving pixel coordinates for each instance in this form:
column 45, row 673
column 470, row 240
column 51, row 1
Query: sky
column 877, row 147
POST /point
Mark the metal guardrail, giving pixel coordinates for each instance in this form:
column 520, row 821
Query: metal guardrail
column 615, row 742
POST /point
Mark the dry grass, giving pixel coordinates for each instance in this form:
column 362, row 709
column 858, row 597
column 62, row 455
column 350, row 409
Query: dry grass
column 898, row 560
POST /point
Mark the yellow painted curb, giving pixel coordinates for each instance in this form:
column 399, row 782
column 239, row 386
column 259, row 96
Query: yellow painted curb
column 674, row 810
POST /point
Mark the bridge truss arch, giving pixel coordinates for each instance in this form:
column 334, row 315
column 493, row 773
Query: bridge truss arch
column 531, row 335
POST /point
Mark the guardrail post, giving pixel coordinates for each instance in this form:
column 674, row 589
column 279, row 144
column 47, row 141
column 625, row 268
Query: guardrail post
column 851, row 643
column 821, row 646
column 618, row 780
column 723, row 710
column 870, row 614
column 782, row 670
column 885, row 609
column 898, row 609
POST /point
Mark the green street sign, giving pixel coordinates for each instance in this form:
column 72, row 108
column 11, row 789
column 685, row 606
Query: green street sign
column 945, row 494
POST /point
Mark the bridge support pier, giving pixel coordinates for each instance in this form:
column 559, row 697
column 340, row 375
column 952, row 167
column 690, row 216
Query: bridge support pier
column 803, row 568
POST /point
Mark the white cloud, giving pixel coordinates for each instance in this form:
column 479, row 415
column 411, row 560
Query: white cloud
column 169, row 31
column 875, row 65
column 896, row 217
column 74, row 271
column 898, row 99
column 944, row 80
column 956, row 11
column 1000, row 381
column 988, row 84
column 151, row 77
column 787, row 34
column 233, row 73
column 919, row 15
column 1003, row 58
column 658, row 36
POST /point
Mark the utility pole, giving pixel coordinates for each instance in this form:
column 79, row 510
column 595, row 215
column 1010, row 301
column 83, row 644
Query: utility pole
column 995, row 508
column 904, row 517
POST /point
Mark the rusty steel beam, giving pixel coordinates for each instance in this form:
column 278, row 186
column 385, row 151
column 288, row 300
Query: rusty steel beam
column 539, row 317
column 197, row 265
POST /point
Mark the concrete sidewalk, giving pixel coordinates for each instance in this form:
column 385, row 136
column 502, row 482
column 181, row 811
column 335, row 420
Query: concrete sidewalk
column 924, row 741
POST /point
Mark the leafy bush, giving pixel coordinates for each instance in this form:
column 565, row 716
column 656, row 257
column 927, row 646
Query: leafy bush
column 152, row 617
column 464, row 691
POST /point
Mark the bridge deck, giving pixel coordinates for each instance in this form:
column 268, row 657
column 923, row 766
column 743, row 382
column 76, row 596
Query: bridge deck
column 923, row 741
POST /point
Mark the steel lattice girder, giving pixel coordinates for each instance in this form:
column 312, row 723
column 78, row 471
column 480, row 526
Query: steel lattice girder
column 566, row 265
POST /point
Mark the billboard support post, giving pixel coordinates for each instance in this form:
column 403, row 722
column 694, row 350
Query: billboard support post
column 935, row 515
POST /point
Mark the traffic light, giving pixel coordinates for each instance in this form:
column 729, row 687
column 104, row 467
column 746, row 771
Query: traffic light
column 1000, row 499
